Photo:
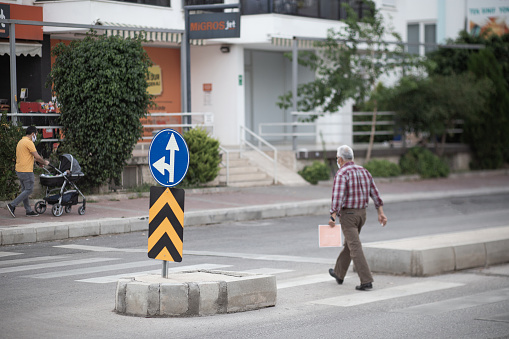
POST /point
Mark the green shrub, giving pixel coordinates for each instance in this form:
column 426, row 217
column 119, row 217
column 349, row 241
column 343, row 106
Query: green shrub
column 204, row 157
column 382, row 168
column 10, row 134
column 101, row 86
column 421, row 161
column 315, row 172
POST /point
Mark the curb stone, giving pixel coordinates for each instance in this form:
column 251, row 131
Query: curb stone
column 194, row 293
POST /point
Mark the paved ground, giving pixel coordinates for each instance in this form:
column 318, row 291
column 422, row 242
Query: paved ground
column 130, row 205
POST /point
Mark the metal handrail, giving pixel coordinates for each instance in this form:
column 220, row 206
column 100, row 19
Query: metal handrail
column 30, row 114
column 262, row 126
column 208, row 119
column 227, row 164
column 206, row 116
column 243, row 131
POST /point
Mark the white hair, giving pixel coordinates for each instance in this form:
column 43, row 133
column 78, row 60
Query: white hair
column 345, row 152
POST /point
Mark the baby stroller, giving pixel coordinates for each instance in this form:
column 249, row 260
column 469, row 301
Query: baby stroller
column 57, row 194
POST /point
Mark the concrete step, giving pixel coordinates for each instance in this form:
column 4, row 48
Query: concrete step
column 253, row 176
column 235, row 163
column 257, row 183
column 238, row 170
column 232, row 155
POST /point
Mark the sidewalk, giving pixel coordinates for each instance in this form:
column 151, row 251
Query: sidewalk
column 119, row 213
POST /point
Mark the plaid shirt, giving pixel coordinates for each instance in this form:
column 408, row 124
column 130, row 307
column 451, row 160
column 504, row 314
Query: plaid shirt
column 353, row 185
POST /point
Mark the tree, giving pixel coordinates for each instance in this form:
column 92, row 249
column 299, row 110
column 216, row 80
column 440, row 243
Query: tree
column 101, row 88
column 448, row 61
column 488, row 131
column 349, row 63
column 433, row 105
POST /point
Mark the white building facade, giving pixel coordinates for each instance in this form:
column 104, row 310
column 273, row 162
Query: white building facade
column 241, row 84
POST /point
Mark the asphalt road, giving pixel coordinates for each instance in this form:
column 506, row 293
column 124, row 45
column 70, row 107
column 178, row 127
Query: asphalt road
column 66, row 289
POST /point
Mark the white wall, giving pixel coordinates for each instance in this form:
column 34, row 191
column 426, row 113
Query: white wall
column 411, row 11
column 260, row 28
column 269, row 75
column 456, row 13
column 335, row 129
column 89, row 11
column 226, row 101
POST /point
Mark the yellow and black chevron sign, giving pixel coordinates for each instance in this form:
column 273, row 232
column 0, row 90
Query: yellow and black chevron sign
column 166, row 223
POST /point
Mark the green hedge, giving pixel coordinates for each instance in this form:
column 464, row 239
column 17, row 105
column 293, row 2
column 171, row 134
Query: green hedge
column 101, row 86
column 204, row 157
column 422, row 161
column 315, row 172
column 10, row 134
column 382, row 168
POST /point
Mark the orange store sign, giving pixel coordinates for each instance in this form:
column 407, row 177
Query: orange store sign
column 21, row 12
column 216, row 25
column 154, row 80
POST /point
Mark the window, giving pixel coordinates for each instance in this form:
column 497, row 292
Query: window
column 255, row 7
column 430, row 37
column 202, row 2
column 413, row 38
column 418, row 33
column 322, row 9
column 163, row 3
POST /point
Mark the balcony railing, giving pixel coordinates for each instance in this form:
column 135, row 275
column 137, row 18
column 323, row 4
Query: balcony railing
column 202, row 2
column 321, row 9
column 162, row 3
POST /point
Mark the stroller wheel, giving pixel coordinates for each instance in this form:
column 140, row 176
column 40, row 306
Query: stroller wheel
column 68, row 209
column 57, row 210
column 40, row 207
column 81, row 210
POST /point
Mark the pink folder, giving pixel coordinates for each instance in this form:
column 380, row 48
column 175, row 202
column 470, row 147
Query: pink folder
column 329, row 236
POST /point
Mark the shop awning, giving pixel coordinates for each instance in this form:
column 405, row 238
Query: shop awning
column 21, row 49
column 170, row 37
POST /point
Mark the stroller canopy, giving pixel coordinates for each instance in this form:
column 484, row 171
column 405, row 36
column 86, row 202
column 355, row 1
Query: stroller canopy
column 68, row 162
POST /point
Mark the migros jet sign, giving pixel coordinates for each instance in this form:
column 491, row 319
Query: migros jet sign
column 216, row 25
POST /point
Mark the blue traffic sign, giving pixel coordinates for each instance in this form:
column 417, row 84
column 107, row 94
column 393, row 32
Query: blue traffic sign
column 168, row 158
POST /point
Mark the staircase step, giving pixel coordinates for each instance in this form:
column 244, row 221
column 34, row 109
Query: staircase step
column 257, row 183
column 238, row 170
column 236, row 162
column 246, row 177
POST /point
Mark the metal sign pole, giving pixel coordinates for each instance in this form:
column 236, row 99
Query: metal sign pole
column 164, row 272
column 14, row 85
column 184, row 61
column 187, row 49
column 295, row 57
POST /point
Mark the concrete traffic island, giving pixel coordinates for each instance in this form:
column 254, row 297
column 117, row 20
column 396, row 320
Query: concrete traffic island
column 441, row 253
column 194, row 293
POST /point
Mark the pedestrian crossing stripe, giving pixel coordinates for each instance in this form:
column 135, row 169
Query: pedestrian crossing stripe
column 166, row 223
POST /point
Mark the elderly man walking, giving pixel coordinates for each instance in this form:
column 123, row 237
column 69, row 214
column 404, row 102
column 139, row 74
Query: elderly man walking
column 353, row 185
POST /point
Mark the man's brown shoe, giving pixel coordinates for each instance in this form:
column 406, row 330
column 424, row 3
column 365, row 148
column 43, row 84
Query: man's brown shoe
column 331, row 272
column 364, row 287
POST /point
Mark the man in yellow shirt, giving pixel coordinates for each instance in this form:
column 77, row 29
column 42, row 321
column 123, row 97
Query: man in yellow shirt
column 25, row 155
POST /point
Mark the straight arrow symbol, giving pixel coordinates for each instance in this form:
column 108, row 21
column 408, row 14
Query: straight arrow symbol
column 161, row 164
column 172, row 147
